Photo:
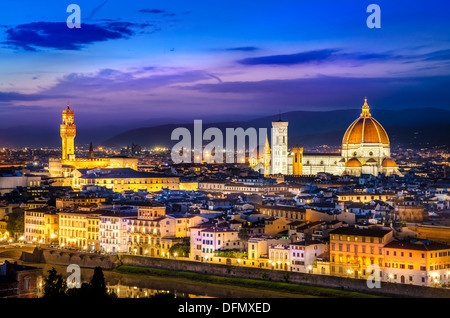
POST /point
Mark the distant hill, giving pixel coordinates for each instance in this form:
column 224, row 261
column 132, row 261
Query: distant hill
column 410, row 127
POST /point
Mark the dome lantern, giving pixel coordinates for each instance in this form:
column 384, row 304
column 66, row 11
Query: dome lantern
column 365, row 109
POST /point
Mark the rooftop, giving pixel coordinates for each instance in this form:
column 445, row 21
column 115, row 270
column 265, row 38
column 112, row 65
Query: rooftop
column 361, row 231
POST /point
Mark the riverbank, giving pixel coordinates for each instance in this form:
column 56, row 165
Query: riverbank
column 294, row 290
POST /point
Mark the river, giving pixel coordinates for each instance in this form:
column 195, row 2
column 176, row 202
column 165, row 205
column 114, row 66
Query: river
column 142, row 286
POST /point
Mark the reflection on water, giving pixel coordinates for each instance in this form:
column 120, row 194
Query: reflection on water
column 127, row 291
column 141, row 286
column 123, row 291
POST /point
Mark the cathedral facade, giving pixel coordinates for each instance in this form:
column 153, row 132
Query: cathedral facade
column 365, row 150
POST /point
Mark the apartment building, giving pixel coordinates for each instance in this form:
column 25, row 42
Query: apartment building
column 417, row 262
column 353, row 249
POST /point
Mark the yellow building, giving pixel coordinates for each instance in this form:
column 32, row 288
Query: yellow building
column 74, row 228
column 188, row 186
column 73, row 202
column 436, row 233
column 61, row 168
column 153, row 232
column 41, row 226
column 417, row 262
column 363, row 197
column 124, row 179
column 273, row 226
column 352, row 250
column 4, row 234
column 297, row 159
column 289, row 212
column 51, row 221
column 93, row 232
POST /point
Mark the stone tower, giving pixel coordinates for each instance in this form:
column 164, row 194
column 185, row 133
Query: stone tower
column 68, row 132
column 279, row 164
column 297, row 168
column 267, row 156
column 91, row 151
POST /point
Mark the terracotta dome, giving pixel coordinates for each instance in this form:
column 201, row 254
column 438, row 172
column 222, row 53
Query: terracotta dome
column 365, row 129
column 371, row 160
column 353, row 163
column 388, row 162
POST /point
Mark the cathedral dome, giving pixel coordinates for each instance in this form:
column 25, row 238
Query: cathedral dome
column 388, row 162
column 365, row 129
column 354, row 163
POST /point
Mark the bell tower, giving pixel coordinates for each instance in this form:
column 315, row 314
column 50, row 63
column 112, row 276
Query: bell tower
column 68, row 132
column 297, row 161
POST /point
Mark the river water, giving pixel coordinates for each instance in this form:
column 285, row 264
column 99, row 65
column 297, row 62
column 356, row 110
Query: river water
column 141, row 286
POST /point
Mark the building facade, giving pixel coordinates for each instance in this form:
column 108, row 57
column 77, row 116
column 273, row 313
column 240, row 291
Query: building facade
column 352, row 250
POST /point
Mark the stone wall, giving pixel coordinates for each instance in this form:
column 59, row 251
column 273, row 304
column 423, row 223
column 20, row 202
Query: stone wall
column 360, row 285
column 89, row 260
column 67, row 257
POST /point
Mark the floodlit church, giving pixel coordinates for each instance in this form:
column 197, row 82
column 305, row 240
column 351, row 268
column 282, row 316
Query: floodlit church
column 365, row 150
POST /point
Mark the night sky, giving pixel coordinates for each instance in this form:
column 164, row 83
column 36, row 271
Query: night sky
column 133, row 61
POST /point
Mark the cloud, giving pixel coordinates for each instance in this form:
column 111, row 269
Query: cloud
column 161, row 12
column 290, row 59
column 15, row 96
column 320, row 56
column 155, row 11
column 337, row 92
column 441, row 55
column 56, row 35
column 244, row 48
column 139, row 82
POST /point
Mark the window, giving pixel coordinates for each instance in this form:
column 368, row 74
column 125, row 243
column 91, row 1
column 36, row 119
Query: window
column 26, row 283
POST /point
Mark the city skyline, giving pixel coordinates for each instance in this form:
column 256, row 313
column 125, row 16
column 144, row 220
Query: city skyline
column 235, row 150
column 200, row 60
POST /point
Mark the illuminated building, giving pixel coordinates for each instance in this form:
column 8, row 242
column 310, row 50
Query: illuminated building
column 279, row 152
column 363, row 197
column 365, row 150
column 123, row 179
column 352, row 250
column 153, row 232
column 114, row 231
column 260, row 160
column 68, row 162
column 303, row 254
column 93, row 232
column 417, row 262
column 288, row 212
column 41, row 226
column 279, row 257
column 212, row 239
column 74, row 229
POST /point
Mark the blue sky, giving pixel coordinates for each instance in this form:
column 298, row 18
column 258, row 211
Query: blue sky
column 218, row 60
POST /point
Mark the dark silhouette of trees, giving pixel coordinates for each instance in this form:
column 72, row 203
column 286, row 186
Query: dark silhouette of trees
column 56, row 287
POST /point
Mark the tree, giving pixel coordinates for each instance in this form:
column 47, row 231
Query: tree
column 243, row 235
column 97, row 286
column 15, row 222
column 182, row 249
column 54, row 285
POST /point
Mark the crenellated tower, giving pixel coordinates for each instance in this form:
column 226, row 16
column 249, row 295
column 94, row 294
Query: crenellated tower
column 68, row 132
